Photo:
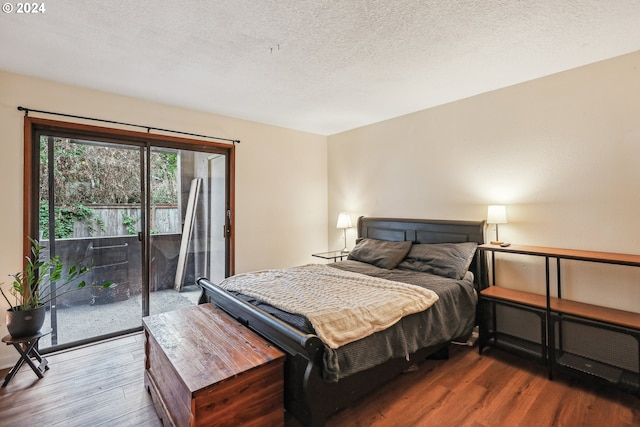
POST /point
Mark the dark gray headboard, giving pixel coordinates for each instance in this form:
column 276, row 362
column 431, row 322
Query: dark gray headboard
column 429, row 231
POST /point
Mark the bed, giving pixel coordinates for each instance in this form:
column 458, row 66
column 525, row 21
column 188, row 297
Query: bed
column 321, row 379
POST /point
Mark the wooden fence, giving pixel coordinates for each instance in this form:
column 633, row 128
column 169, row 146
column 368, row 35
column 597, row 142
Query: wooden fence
column 124, row 220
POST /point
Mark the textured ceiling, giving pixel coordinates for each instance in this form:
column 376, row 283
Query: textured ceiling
column 313, row 65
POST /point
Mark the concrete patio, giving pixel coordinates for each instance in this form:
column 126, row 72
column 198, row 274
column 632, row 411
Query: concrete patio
column 78, row 322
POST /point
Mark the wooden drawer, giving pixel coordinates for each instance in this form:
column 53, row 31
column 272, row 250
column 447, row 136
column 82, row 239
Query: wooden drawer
column 204, row 368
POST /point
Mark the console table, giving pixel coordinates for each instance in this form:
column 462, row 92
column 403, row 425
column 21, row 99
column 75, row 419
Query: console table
column 203, row 368
column 565, row 325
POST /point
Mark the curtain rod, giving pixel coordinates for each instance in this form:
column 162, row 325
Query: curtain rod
column 148, row 128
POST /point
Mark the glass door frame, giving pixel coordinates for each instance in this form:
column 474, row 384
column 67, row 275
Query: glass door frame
column 35, row 126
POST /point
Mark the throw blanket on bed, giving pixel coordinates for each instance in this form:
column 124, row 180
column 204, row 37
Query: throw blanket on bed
column 342, row 306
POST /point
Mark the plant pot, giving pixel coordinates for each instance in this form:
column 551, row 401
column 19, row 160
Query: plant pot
column 25, row 323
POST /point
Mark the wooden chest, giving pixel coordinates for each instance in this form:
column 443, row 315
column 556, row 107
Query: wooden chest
column 204, row 368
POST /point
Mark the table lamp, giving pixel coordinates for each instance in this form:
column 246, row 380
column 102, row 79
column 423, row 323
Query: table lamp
column 344, row 222
column 496, row 214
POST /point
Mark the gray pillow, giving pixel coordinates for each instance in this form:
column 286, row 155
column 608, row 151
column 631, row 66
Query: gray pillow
column 444, row 259
column 381, row 253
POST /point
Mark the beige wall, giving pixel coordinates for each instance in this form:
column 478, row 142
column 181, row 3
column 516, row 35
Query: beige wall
column 562, row 152
column 281, row 175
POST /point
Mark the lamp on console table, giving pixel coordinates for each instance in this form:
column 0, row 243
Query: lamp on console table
column 496, row 214
column 344, row 222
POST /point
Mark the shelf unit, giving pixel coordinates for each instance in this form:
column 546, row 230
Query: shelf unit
column 580, row 338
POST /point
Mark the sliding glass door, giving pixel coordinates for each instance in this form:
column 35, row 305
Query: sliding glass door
column 188, row 224
column 90, row 198
column 149, row 217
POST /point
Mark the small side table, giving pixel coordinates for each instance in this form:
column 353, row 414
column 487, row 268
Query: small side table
column 334, row 255
column 27, row 347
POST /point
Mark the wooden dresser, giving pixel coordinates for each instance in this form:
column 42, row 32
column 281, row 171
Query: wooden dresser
column 204, row 368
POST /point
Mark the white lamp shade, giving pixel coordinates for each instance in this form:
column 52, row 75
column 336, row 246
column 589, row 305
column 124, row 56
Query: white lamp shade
column 344, row 220
column 497, row 214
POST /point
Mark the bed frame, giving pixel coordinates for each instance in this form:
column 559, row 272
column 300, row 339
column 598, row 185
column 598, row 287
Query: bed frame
column 308, row 397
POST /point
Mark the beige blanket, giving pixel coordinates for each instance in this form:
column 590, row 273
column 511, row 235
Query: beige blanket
column 342, row 306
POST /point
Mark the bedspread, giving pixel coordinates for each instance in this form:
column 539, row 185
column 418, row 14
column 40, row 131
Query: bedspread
column 452, row 316
column 342, row 306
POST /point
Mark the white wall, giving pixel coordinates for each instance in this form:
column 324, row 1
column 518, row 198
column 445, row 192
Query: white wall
column 281, row 175
column 562, row 152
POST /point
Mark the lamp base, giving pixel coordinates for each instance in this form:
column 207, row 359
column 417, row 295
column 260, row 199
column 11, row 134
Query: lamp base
column 345, row 250
column 496, row 242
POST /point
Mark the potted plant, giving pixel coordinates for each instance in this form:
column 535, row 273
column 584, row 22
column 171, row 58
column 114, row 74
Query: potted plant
column 32, row 290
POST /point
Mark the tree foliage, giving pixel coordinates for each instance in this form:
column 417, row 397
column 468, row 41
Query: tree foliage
column 88, row 173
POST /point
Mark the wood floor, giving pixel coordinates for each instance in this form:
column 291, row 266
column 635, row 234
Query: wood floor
column 102, row 385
